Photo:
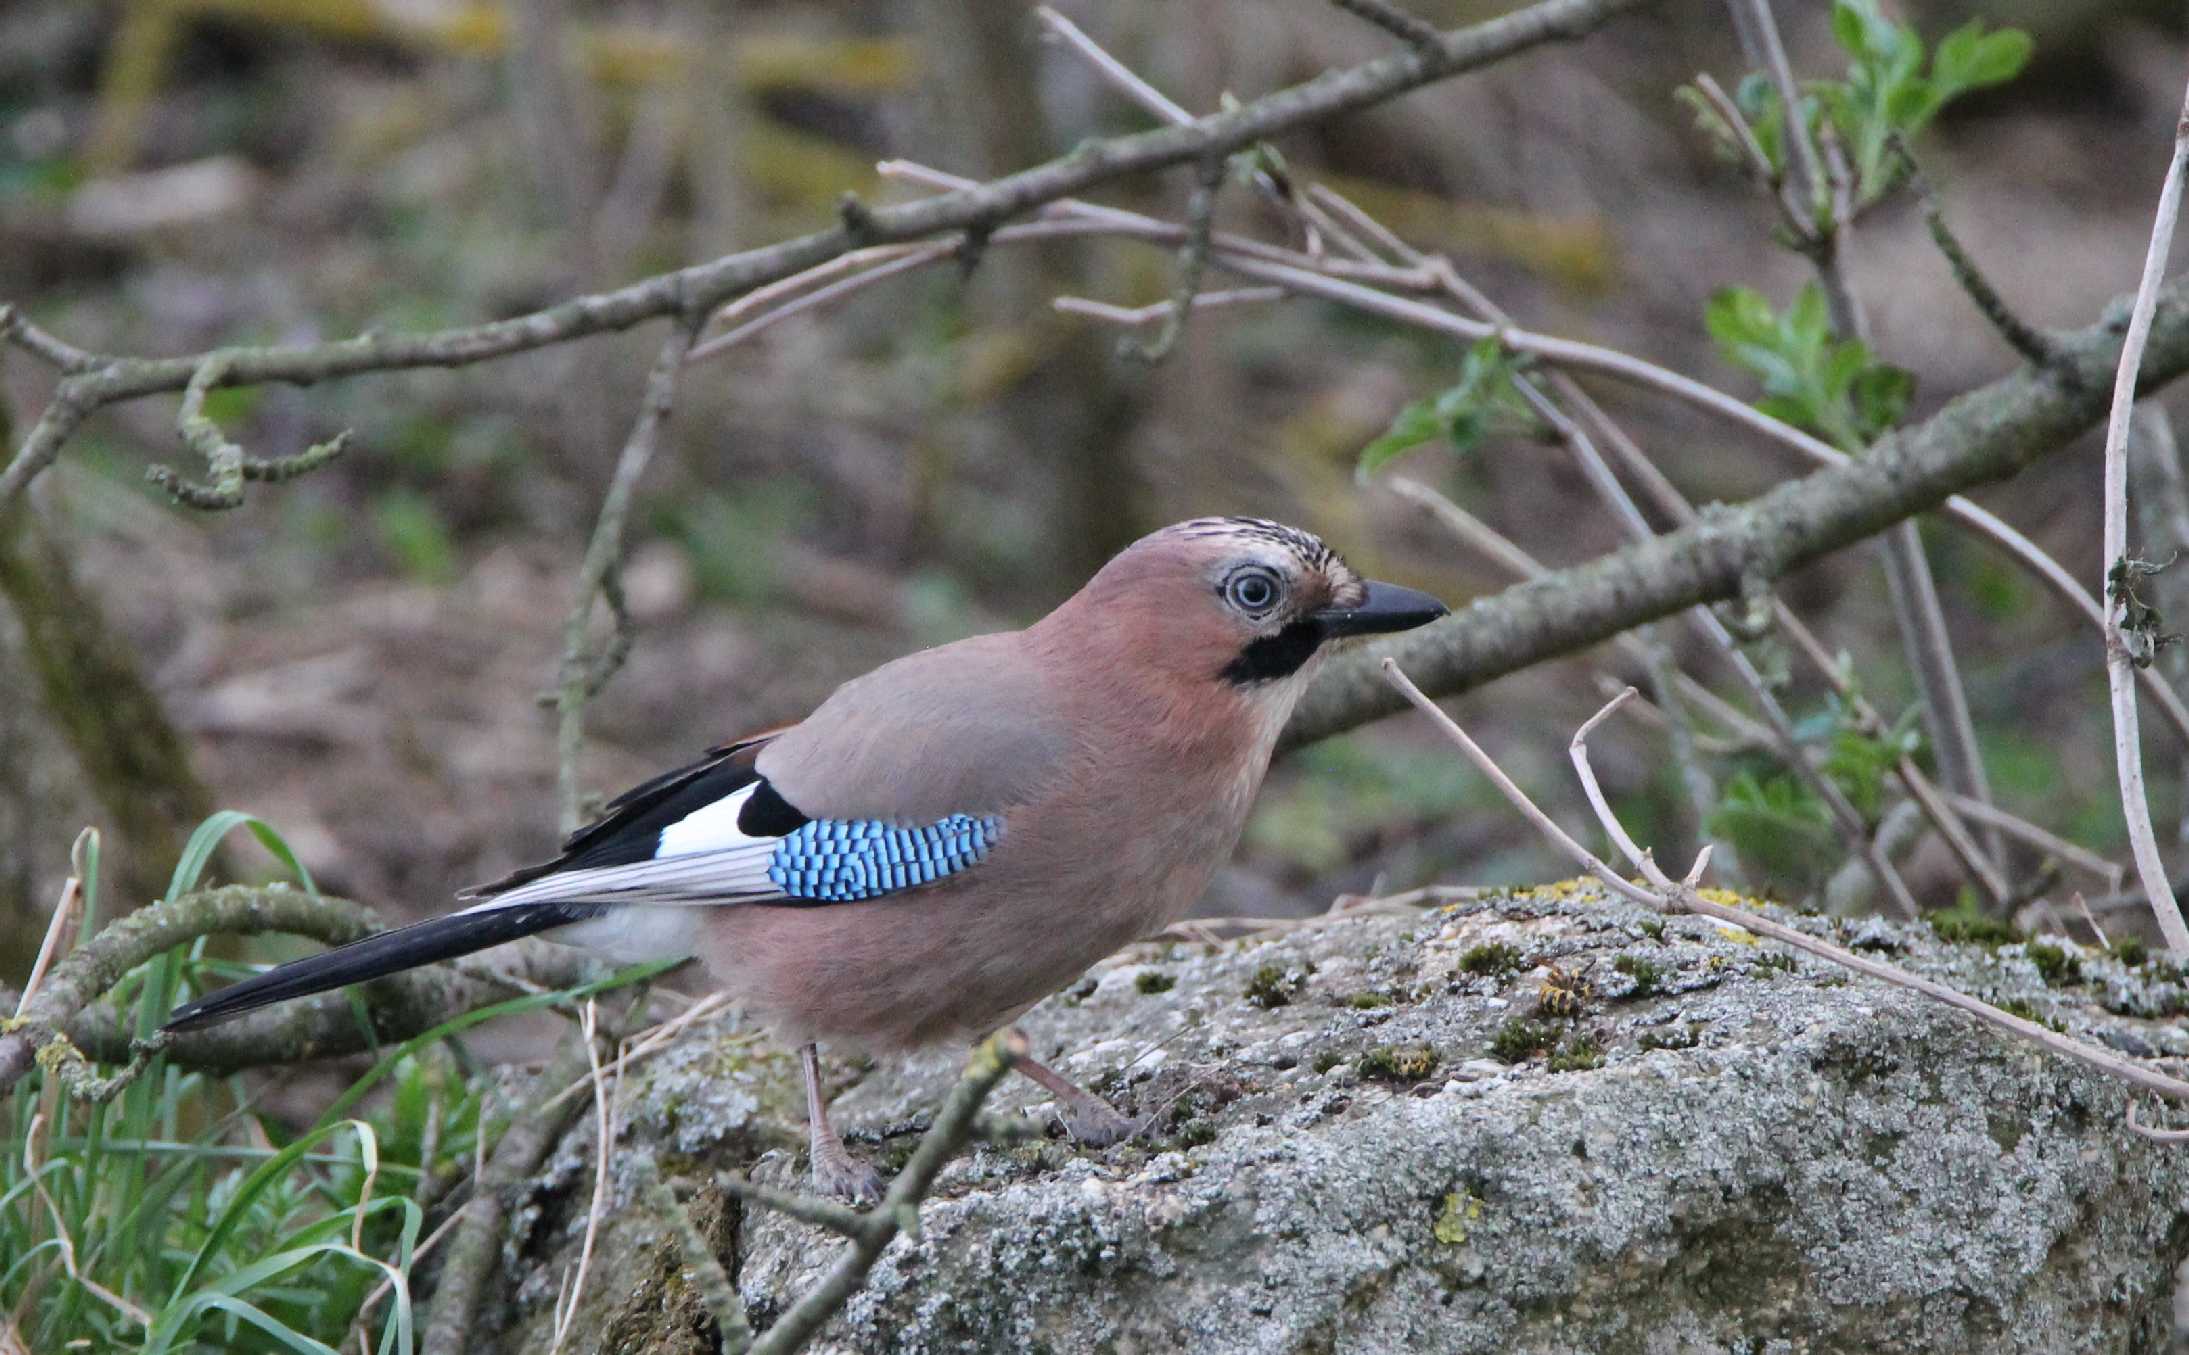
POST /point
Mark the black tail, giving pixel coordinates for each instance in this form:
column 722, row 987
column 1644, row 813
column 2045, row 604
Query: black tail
column 421, row 943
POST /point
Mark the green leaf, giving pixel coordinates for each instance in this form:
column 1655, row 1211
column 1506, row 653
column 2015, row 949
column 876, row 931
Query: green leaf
column 1834, row 388
column 2001, row 57
column 1955, row 58
column 1411, row 427
column 1738, row 317
column 1910, row 104
column 1881, row 395
column 1847, row 27
column 1480, row 403
column 1777, row 826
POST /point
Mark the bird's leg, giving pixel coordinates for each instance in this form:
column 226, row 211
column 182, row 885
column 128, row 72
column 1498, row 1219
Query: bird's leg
column 835, row 1170
column 1087, row 1118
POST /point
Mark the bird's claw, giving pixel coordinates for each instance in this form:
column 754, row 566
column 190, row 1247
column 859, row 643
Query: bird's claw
column 844, row 1177
column 1095, row 1123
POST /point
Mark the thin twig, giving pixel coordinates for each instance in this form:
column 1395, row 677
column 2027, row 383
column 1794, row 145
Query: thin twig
column 2033, row 344
column 604, row 1139
column 1193, row 260
column 581, row 676
column 2015, row 826
column 1502, row 551
column 837, row 1218
column 1310, row 277
column 901, row 260
column 953, row 1126
column 1753, row 158
column 64, row 916
column 2127, row 746
column 2161, row 502
column 1136, row 316
column 1913, row 591
column 1120, row 76
column 1759, row 33
column 1695, row 779
column 225, row 460
column 64, row 357
column 1930, row 798
column 1411, row 29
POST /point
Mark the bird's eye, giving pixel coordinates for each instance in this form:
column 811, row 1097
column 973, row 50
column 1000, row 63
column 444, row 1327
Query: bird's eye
column 1253, row 591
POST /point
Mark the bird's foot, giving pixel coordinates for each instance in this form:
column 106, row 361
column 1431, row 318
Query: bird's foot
column 844, row 1177
column 1095, row 1123
column 1088, row 1118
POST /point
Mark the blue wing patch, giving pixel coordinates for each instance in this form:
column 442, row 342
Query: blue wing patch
column 846, row 860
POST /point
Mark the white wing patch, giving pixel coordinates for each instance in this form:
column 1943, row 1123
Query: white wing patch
column 701, row 859
column 710, row 828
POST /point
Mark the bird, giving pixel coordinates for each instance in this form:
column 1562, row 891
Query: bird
column 951, row 837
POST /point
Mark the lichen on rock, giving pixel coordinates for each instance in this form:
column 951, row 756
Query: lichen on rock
column 1740, row 1154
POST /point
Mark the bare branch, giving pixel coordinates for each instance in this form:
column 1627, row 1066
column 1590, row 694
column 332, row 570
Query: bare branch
column 2051, row 843
column 1980, row 409
column 1411, row 29
column 1984, row 435
column 16, row 328
column 899, row 259
column 60, row 1016
column 1193, row 259
column 582, row 677
column 2024, row 338
column 1135, row 316
column 1759, row 34
column 229, row 466
column 837, row 1218
column 2119, row 667
column 702, row 1269
column 1119, row 75
column 1753, row 158
column 701, row 287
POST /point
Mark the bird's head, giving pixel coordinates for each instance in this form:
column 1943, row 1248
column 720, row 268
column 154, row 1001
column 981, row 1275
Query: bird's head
column 1243, row 601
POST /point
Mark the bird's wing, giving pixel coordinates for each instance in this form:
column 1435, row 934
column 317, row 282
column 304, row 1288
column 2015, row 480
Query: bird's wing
column 902, row 778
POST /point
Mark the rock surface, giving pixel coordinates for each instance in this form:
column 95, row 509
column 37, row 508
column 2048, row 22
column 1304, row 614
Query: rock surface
column 1538, row 1122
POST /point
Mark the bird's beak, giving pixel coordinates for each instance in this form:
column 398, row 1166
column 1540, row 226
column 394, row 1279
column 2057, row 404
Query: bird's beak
column 1386, row 607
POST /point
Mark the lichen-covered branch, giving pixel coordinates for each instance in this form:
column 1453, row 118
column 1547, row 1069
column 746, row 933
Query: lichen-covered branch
column 701, row 287
column 582, row 673
column 61, row 1015
column 225, row 460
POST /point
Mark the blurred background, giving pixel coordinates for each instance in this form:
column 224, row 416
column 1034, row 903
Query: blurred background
column 357, row 655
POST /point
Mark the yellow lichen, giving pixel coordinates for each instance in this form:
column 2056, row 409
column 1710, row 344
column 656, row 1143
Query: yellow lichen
column 1461, row 1209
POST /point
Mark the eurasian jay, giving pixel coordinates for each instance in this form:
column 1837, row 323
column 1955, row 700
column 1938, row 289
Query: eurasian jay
column 954, row 836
